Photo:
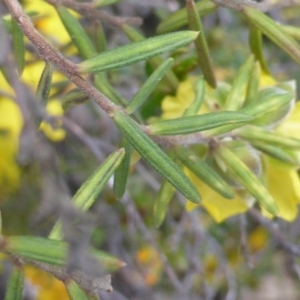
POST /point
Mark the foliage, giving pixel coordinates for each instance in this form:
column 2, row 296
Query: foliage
column 221, row 130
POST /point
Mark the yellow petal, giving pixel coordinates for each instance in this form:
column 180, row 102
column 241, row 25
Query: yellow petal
column 55, row 134
column 11, row 123
column 266, row 80
column 48, row 21
column 291, row 126
column 218, row 207
column 174, row 107
column 46, row 286
column 33, row 71
column 283, row 183
column 5, row 87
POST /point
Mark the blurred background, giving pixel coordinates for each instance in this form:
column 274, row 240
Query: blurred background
column 189, row 256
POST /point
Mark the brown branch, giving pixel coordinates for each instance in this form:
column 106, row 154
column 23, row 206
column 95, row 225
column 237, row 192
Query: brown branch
column 89, row 10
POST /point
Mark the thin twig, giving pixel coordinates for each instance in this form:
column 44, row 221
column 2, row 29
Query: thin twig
column 276, row 234
column 89, row 10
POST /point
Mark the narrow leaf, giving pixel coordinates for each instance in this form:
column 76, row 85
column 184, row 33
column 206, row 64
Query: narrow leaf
column 161, row 202
column 160, row 161
column 204, row 57
column 44, row 85
column 199, row 98
column 253, row 85
column 255, row 41
column 74, row 291
column 236, row 96
column 293, row 31
column 147, row 88
column 101, row 3
column 73, row 97
column 54, row 252
column 273, row 105
column 285, row 156
column 14, row 290
column 179, row 18
column 100, row 38
column 244, row 175
column 18, row 45
column 105, row 87
column 135, row 52
column 121, row 173
column 254, row 133
column 78, row 35
column 192, row 124
column 90, row 189
column 270, row 106
column 202, row 170
column 273, row 31
column 170, row 78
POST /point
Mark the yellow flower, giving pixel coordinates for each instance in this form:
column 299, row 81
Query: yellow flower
column 149, row 259
column 281, row 180
column 11, row 123
column 55, row 133
column 11, row 120
column 45, row 286
column 47, row 21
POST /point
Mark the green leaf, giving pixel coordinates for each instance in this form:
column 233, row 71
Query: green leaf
column 254, row 133
column 273, row 31
column 73, row 97
column 159, row 160
column 200, row 42
column 161, row 202
column 147, row 88
column 202, row 170
column 255, row 41
column 284, row 155
column 199, row 99
column 54, row 252
column 236, row 96
column 121, row 173
column 170, row 78
column 253, row 85
column 192, row 124
column 18, row 45
column 101, row 3
column 179, row 18
column 44, row 85
column 90, row 189
column 14, row 290
column 135, row 52
column 244, row 175
column 105, row 87
column 100, row 38
column 293, row 31
column 74, row 291
column 78, row 35
column 273, row 104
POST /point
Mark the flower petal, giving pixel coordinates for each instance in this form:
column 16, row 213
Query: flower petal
column 218, row 207
column 284, row 185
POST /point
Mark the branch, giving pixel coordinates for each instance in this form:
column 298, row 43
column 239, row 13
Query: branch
column 89, row 10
